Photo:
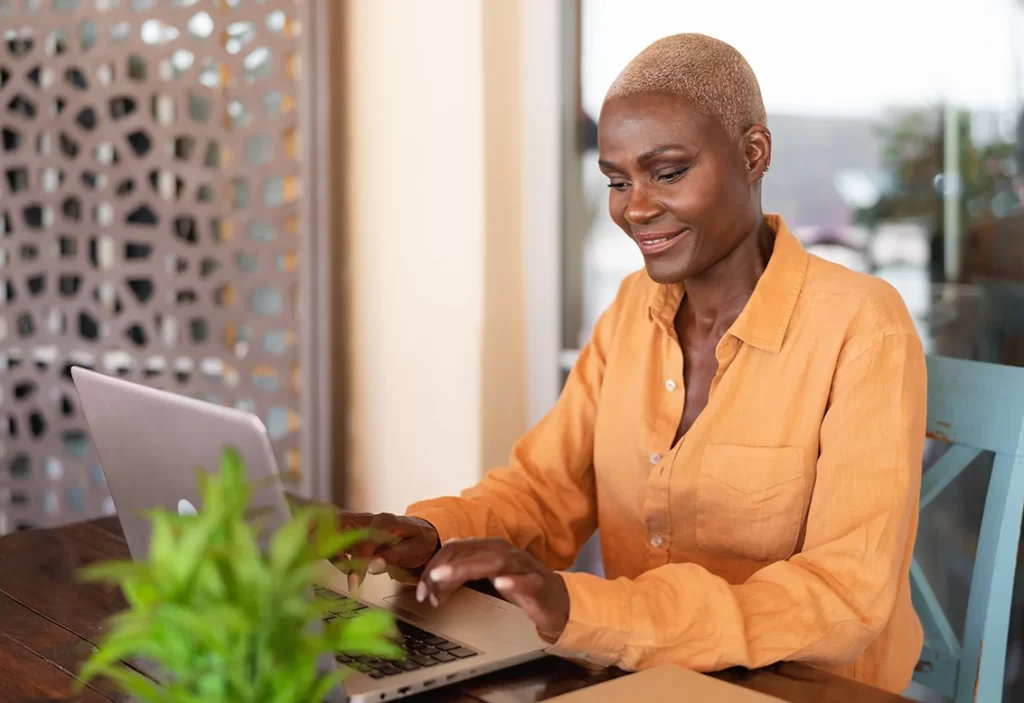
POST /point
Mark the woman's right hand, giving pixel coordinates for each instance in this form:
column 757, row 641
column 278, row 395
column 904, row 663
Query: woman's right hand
column 397, row 544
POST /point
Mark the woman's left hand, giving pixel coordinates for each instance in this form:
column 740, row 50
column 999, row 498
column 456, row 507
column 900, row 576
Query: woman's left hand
column 517, row 576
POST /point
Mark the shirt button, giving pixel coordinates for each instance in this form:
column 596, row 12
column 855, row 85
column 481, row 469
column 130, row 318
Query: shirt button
column 655, row 458
column 656, row 541
column 670, row 385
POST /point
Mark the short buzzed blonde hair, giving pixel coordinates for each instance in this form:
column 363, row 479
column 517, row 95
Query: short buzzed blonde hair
column 706, row 72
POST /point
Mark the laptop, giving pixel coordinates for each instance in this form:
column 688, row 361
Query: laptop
column 149, row 443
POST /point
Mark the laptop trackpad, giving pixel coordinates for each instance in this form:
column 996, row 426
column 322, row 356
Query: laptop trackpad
column 465, row 600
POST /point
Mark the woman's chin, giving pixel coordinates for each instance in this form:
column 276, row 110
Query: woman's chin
column 665, row 271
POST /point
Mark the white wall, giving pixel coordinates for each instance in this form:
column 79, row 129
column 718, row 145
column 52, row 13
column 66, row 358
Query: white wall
column 503, row 370
column 414, row 152
column 542, row 202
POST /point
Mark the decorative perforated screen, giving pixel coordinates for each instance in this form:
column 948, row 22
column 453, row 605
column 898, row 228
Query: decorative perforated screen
column 150, row 224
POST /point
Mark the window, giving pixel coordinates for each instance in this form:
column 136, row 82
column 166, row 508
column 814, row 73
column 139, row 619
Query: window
column 898, row 150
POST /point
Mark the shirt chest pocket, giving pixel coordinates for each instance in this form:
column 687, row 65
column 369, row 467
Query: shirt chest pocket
column 750, row 501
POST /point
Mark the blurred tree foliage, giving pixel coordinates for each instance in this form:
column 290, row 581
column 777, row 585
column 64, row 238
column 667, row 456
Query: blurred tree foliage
column 913, row 159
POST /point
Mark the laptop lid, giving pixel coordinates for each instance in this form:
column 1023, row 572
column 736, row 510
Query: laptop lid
column 151, row 442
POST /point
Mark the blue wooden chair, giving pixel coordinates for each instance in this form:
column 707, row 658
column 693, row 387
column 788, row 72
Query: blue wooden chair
column 976, row 407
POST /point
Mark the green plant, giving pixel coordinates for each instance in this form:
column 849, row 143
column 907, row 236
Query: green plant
column 222, row 620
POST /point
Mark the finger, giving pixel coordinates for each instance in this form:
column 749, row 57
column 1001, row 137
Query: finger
column 441, row 580
column 459, row 548
column 378, row 565
column 359, row 559
column 340, row 521
column 327, row 518
column 526, row 591
column 362, row 554
column 376, row 531
column 353, row 521
column 358, row 567
column 448, row 551
column 456, row 550
column 453, row 550
column 523, row 590
column 404, row 576
column 407, row 552
column 365, row 551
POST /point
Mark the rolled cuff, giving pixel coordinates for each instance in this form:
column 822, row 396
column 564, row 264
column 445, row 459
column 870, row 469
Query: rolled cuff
column 444, row 520
column 599, row 617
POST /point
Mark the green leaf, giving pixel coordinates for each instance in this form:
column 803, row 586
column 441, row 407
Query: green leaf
column 232, row 471
column 372, row 625
column 327, row 684
column 287, row 545
column 193, row 544
column 225, row 622
column 115, row 649
column 114, row 572
column 140, row 593
column 331, row 546
column 162, row 542
column 141, row 688
column 384, row 649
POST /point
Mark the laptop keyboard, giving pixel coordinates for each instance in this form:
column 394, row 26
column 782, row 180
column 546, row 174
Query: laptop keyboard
column 422, row 649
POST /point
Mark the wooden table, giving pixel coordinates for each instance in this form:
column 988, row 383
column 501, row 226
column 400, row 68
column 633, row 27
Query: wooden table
column 49, row 621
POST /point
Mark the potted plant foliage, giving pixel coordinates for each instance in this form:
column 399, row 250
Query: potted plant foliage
column 224, row 621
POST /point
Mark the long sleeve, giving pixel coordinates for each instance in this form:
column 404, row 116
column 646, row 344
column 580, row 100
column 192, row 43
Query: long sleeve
column 825, row 604
column 544, row 500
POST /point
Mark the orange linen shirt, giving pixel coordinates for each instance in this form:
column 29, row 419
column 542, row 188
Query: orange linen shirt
column 781, row 526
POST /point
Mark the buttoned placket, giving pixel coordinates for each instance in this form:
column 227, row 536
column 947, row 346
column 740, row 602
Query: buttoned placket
column 667, row 423
column 663, row 430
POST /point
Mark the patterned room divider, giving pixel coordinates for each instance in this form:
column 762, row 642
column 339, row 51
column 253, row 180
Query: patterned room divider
column 152, row 226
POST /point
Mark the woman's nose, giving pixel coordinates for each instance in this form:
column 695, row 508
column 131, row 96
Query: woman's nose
column 642, row 208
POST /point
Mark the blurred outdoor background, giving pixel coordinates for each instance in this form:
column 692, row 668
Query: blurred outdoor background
column 379, row 224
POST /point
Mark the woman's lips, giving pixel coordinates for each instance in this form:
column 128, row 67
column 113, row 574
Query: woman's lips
column 651, row 244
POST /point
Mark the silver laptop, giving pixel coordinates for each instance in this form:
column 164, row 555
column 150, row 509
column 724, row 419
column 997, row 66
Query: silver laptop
column 150, row 442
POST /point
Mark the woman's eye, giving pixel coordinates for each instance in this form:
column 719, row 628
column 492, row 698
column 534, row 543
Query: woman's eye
column 672, row 175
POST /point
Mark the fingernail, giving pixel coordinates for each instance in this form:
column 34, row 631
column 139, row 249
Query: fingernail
column 421, row 592
column 503, row 583
column 377, row 566
column 353, row 582
column 434, row 601
column 441, row 573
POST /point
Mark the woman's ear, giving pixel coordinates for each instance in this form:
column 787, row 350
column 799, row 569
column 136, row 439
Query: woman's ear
column 757, row 151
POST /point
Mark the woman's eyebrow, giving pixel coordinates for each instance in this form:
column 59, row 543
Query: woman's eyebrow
column 646, row 156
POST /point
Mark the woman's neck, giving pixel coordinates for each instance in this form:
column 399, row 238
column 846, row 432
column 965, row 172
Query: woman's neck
column 717, row 296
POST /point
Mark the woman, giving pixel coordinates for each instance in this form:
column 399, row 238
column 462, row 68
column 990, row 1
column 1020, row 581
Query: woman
column 745, row 425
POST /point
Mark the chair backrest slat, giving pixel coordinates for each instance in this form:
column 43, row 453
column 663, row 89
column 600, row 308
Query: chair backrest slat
column 933, row 617
column 988, row 606
column 944, row 471
column 976, row 407
column 977, row 404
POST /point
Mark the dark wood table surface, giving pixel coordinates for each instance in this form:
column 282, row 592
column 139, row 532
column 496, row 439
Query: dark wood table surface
column 49, row 621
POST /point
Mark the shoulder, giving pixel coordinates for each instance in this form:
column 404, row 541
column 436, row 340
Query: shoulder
column 866, row 305
column 859, row 332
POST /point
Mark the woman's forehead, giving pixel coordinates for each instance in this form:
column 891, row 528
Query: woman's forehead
column 639, row 122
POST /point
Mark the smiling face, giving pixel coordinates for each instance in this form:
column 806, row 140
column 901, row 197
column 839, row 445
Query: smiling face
column 685, row 190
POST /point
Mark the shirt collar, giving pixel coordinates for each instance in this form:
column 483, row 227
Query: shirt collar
column 765, row 317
